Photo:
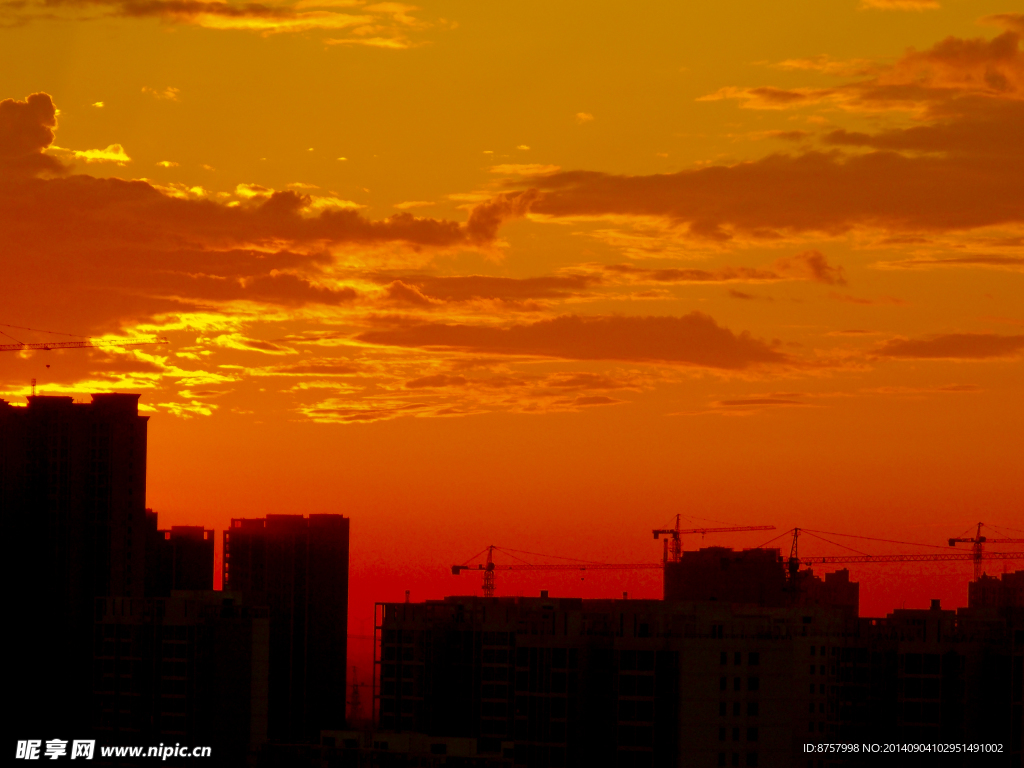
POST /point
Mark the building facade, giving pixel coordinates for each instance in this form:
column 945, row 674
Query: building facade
column 72, row 497
column 298, row 567
column 558, row 682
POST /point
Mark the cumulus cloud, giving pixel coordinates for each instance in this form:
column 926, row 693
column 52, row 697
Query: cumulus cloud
column 26, row 131
column 955, row 346
column 694, row 339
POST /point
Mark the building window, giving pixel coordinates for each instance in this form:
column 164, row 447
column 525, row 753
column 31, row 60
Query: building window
column 737, row 683
column 721, row 733
column 738, row 658
column 752, row 734
column 753, row 683
column 751, row 758
column 813, row 668
column 735, row 734
column 752, row 709
column 721, row 758
column 736, row 709
column 754, row 659
column 724, row 659
column 721, row 708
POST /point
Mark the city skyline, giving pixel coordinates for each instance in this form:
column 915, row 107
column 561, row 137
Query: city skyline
column 534, row 276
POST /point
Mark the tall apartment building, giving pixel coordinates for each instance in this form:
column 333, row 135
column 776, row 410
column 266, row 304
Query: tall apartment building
column 298, row 567
column 72, row 497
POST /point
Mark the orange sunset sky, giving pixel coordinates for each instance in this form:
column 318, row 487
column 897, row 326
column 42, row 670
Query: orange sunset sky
column 537, row 274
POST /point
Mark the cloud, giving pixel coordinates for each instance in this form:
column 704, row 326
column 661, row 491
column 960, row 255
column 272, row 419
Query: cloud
column 899, row 5
column 584, row 117
column 694, row 339
column 167, row 164
column 26, row 131
column 808, row 265
column 438, row 380
column 769, row 97
column 815, row 192
column 422, row 289
column 956, row 167
column 984, row 261
column 525, row 169
column 955, row 346
column 169, row 93
column 380, row 25
column 595, row 400
column 112, row 154
column 486, row 218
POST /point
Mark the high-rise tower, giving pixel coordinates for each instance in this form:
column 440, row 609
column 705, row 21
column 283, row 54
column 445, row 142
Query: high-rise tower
column 297, row 566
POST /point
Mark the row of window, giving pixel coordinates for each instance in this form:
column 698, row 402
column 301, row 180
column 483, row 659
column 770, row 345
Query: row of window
column 753, row 683
column 753, row 709
column 752, row 733
column 753, row 658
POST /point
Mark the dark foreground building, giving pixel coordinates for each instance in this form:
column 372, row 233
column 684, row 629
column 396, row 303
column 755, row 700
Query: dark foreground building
column 120, row 636
column 298, row 567
column 72, row 498
column 191, row 668
column 551, row 682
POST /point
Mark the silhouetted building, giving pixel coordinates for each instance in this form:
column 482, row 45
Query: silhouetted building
column 989, row 592
column 569, row 682
column 179, row 558
column 755, row 577
column 298, row 567
column 191, row 668
column 572, row 682
column 72, row 498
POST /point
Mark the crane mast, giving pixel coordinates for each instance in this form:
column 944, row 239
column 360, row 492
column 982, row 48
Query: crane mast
column 977, row 543
column 673, row 552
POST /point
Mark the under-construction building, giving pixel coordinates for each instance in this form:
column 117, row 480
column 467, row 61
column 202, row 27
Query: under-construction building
column 709, row 679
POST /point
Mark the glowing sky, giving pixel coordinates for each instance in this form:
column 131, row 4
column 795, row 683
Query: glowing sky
column 537, row 274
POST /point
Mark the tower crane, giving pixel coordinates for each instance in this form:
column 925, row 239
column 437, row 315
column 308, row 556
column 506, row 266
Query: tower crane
column 20, row 346
column 50, row 345
column 976, row 542
column 674, row 545
column 489, row 567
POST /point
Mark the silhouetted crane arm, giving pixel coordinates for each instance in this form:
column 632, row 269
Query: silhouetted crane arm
column 672, row 531
column 457, row 569
column 49, row 345
column 908, row 558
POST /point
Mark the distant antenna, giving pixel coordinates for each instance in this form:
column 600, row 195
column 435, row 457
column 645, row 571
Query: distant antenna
column 33, row 387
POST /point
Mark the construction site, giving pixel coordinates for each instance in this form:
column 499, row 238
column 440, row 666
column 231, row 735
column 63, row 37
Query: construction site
column 750, row 659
